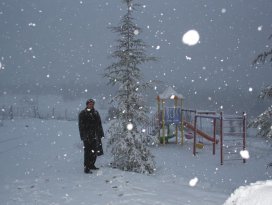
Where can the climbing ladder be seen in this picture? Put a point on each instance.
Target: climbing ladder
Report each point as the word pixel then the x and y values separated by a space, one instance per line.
pixel 232 137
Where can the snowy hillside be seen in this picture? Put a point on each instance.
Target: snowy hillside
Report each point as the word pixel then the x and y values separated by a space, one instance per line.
pixel 41 163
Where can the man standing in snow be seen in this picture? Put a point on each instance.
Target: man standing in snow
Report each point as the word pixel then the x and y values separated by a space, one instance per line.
pixel 91 132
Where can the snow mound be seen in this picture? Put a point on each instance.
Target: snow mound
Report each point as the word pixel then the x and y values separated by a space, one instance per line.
pixel 255 193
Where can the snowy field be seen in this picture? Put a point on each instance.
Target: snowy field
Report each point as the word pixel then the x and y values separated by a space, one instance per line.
pixel 41 163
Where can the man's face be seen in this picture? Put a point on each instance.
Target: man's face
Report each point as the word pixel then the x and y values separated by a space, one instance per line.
pixel 90 105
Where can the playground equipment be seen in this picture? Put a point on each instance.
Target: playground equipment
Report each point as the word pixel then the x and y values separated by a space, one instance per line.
pixel 232 137
pixel 231 131
pixel 189 123
pixel 190 120
pixel 169 116
pixel 189 135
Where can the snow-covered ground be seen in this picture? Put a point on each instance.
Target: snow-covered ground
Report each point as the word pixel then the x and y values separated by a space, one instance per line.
pixel 42 163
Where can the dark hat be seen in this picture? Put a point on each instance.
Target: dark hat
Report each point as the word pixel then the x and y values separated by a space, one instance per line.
pixel 90 100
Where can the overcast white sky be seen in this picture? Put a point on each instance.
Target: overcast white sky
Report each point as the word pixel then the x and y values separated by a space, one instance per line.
pixel 68 41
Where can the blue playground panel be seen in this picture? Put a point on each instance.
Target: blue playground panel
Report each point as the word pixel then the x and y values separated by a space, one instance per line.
pixel 172 115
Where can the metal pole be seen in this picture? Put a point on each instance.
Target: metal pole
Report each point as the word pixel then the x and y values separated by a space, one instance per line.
pixel 221 138
pixel 176 108
pixel 194 146
pixel 158 116
pixel 244 134
pixel 214 135
pixel 163 123
pixel 182 125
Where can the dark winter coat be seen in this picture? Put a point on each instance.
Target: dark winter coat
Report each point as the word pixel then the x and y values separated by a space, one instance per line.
pixel 90 128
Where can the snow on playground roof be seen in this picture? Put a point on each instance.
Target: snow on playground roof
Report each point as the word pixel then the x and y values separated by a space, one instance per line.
pixel 169 92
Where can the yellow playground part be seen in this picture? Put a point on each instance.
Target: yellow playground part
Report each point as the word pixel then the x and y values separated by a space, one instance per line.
pixel 199 145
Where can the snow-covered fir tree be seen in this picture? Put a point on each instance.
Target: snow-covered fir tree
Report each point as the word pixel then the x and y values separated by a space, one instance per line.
pixel 126 138
pixel 264 121
pixel 265 56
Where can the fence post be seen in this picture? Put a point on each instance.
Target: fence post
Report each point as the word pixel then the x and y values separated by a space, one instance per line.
pixel 11 113
pixel 2 121
pixel 53 113
pixel 66 114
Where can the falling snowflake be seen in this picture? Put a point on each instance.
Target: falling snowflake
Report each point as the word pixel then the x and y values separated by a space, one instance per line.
pixel 188 58
pixel 193 182
pixel 244 154
pixel 129 126
pixel 136 32
pixel 32 24
pixel 223 10
pixel 190 38
pixel 260 28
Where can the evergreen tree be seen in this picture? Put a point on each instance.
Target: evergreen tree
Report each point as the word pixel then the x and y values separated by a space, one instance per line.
pixel 265 56
pixel 264 121
pixel 129 151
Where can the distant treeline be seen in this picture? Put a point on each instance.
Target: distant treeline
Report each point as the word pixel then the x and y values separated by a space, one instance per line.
pixel 227 99
pixel 11 112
